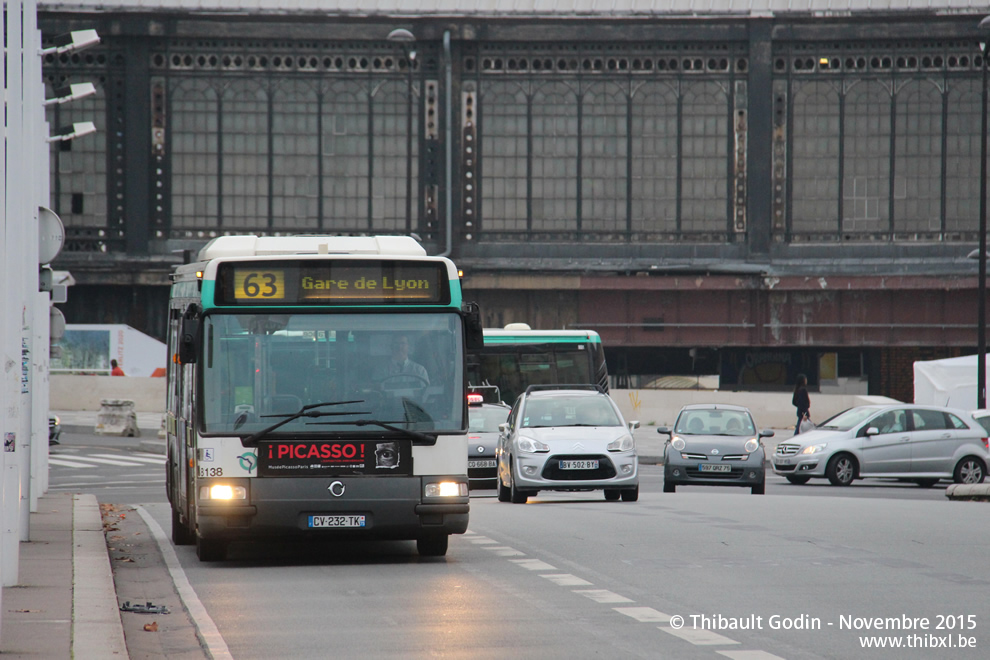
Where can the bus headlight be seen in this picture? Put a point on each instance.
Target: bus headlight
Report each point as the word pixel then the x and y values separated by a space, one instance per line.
pixel 447 489
pixel 222 492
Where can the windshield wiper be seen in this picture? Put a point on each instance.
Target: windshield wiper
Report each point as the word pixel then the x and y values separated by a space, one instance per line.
pixel 423 438
pixel 305 411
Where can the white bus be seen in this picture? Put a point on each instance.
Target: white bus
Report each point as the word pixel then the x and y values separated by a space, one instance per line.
pixel 317 388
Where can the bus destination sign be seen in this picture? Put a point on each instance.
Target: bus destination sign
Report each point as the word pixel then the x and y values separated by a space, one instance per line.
pixel 345 282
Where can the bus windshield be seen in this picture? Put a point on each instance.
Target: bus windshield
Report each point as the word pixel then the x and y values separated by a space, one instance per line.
pixel 400 369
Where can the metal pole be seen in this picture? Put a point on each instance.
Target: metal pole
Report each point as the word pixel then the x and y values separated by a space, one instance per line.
pixel 981 360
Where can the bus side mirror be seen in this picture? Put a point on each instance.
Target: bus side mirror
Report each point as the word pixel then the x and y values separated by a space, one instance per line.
pixel 189 335
pixel 474 333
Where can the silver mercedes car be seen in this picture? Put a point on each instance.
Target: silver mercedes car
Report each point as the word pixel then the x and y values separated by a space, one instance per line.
pixel 922 444
pixel 566 438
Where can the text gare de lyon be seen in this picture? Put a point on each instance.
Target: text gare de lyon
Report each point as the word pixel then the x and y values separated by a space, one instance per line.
pixel 365 284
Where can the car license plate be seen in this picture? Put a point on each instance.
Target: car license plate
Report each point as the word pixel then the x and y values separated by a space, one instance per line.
pixel 714 467
pixel 579 465
pixel 337 521
pixel 482 463
pixel 782 461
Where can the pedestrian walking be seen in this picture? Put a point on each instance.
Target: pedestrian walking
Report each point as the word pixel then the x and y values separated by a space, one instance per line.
pixel 801 401
pixel 115 369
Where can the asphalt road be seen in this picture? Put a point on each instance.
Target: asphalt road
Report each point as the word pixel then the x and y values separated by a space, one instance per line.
pixel 702 573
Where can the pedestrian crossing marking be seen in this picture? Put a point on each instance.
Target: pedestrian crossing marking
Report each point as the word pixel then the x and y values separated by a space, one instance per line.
pixel 64 463
pixel 147 458
pixel 92 460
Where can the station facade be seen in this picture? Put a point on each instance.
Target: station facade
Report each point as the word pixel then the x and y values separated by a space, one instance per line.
pixel 747 192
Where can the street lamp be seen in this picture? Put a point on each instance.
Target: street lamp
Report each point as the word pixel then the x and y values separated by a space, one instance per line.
pixel 981 359
pixel 404 36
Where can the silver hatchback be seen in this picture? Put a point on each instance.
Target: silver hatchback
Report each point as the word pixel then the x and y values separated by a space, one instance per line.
pixel 915 443
pixel 567 439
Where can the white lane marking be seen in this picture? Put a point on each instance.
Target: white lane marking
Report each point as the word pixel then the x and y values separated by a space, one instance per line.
pixel 481 540
pixel 157 459
pixel 505 551
pixel 566 580
pixel 603 596
pixel 208 630
pixel 64 463
pixel 644 614
pixel 750 655
pixel 698 636
pixel 533 564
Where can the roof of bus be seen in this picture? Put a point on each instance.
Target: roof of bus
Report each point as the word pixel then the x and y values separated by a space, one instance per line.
pixel 500 336
pixel 258 246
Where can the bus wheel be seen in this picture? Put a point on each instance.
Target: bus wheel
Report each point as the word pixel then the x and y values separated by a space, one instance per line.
pixel 211 549
pixel 434 545
pixel 180 533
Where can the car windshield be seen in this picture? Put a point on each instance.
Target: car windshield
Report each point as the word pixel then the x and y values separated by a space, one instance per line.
pixel 847 419
pixel 715 422
pixel 569 411
pixel 401 369
pixel 485 419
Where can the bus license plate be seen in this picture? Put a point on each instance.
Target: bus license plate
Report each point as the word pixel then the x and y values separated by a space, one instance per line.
pixel 337 521
pixel 482 463
pixel 708 467
pixel 579 465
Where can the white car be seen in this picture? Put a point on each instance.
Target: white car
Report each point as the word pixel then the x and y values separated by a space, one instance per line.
pixel 568 438
pixel 923 444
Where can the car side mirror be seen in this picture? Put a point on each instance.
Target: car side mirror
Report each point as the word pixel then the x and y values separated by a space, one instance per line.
pixel 633 425
pixel 766 433
pixel 663 429
pixel 872 431
pixel 503 427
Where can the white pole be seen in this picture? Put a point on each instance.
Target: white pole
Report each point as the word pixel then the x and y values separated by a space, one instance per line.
pixel 14 305
pixel 3 305
pixel 34 123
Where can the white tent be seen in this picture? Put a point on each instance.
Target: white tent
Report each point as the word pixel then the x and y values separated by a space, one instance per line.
pixel 949 382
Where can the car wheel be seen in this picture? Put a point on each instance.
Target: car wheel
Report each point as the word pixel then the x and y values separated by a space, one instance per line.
pixel 630 494
pixel 503 492
pixel 433 545
pixel 669 488
pixel 926 483
pixel 798 481
pixel 515 496
pixel 612 495
pixel 211 549
pixel 841 470
pixel 969 470
pixel 180 532
pixel 759 489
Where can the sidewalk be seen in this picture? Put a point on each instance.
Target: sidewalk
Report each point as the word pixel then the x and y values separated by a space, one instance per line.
pixel 64 604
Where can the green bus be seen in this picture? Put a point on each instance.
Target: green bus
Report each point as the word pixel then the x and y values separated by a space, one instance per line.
pixel 317 388
pixel 515 357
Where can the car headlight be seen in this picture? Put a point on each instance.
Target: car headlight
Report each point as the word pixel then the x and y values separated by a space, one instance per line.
pixel 531 446
pixel 678 443
pixel 625 443
pixel 814 449
pixel 752 445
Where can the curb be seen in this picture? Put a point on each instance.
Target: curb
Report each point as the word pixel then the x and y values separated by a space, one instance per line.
pixel 969 492
pixel 97 631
